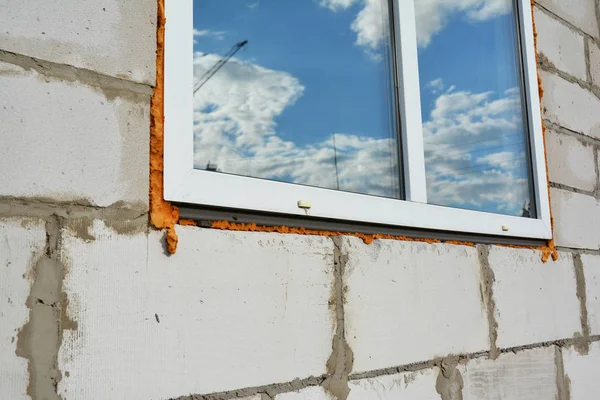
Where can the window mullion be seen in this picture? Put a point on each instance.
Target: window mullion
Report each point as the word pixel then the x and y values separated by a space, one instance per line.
pixel 409 101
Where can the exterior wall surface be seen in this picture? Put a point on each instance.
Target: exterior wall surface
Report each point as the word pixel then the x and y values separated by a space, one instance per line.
pixel 93 307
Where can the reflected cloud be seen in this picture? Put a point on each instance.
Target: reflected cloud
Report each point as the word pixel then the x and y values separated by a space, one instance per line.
pixel 219 35
pixel 431 16
pixel 436 85
pixel 473 131
pixel 338 5
pixel 465 141
pixel 235 132
pixel 474 151
pixel 370 24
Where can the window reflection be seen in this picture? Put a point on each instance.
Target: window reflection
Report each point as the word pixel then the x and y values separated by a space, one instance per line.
pixel 296 91
pixel 475 135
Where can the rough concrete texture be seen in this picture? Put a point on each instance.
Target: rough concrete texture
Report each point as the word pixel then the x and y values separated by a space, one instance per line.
pixel 584 335
pixel 112 37
pixel 581 372
pixel 570 162
pixel 580 13
pixel 401 283
pixel 569 105
pixel 229 310
pixel 487 297
pixel 594 55
pixel 535 301
pixel 591 270
pixel 266 392
pixel 528 374
pixel 92 307
pixel 310 393
pixel 404 386
pixel 576 219
pixel 40 338
pixel 449 384
pixel 339 364
pixel 75 142
pixel 419 385
pixel 22 243
pixel 561 45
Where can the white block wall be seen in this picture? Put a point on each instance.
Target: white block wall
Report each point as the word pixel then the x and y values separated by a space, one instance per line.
pixel 404 386
pixel 561 45
pixel 228 311
pixel 573 162
pixel 591 270
pixel 529 374
pixel 578 13
pixel 254 315
pixel 75 143
pixel 581 372
pixel 111 37
pixel 413 280
pixel 22 242
pixel 569 105
pixel 576 218
pixel 535 301
pixel 310 393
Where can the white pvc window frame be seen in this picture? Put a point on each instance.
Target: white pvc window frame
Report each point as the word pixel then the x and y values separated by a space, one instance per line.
pixel 184 184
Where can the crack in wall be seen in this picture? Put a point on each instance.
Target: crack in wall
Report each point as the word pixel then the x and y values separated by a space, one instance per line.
pixel 111 86
pixel 586 55
pixel 572 189
pixel 540 4
pixel 266 392
pixel 123 221
pixel 39 339
pixel 582 343
pixel 415 367
pixel 447 362
pixel 46 208
pixel 546 65
pixel 449 383
pixel 486 288
pixel 563 384
pixel 339 364
pixel 582 138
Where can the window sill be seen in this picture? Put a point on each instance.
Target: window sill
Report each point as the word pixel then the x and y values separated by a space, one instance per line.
pixel 211 217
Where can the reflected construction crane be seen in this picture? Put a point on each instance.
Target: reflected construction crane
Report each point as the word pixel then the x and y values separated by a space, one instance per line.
pixel 213 70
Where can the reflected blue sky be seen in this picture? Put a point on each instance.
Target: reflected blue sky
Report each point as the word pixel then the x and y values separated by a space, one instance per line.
pixel 474 134
pixel 316 70
pixel 314 45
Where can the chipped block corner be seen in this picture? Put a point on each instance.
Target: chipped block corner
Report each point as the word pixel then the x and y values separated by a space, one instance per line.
pixel 92 305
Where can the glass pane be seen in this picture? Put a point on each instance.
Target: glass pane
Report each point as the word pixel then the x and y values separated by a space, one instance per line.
pixel 475 135
pixel 296 91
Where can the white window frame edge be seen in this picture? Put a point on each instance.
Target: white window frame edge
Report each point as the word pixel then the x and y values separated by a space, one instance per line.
pixel 183 183
pixel 536 136
pixel 409 99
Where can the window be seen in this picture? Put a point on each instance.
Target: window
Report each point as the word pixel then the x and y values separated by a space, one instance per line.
pixel 412 113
